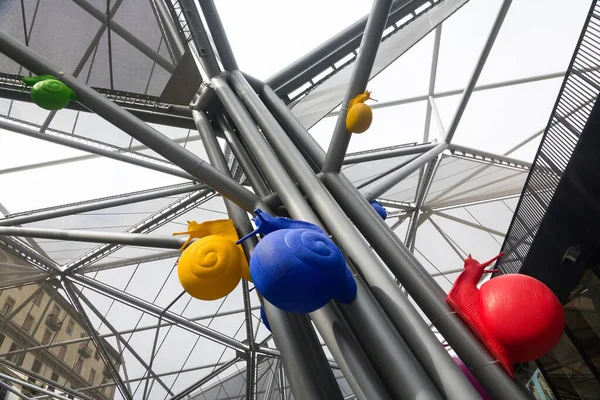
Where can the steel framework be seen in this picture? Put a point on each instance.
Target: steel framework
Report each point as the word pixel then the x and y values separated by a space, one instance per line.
pixel 380 342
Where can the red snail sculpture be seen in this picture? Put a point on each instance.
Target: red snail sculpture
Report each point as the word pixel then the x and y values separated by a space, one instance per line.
pixel 515 316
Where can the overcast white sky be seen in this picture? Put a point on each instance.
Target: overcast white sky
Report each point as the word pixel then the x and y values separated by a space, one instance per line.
pixel 538 37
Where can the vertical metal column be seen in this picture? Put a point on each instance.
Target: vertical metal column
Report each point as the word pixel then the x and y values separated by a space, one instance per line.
pixel 358 82
pixel 341 342
pixel 306 365
pixel 425 346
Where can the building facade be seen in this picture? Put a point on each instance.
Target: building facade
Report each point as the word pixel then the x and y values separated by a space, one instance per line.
pixel 34 343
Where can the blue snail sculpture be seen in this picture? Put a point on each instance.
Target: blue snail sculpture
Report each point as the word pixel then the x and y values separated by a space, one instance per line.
pixel 379 209
pixel 263 316
pixel 296 267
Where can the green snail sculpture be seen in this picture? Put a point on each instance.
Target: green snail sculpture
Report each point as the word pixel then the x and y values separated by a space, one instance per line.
pixel 49 93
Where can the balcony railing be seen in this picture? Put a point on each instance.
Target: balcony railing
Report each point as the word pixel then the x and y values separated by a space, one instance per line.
pixel 53 323
pixel 85 350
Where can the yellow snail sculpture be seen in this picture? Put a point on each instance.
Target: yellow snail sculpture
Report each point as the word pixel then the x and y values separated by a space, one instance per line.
pixel 359 115
pixel 211 267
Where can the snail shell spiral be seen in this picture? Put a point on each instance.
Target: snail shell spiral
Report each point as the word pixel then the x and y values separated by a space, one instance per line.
pixel 210 268
pixel 51 94
pixel 300 270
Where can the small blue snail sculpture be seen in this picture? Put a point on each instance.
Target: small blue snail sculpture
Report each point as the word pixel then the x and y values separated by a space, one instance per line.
pixel 379 209
pixel 296 267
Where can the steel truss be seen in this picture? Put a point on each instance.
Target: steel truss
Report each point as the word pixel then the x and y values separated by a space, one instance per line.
pixel 371 339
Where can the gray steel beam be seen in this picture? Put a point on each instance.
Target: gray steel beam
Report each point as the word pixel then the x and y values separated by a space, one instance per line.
pixel 13 391
pixel 98 343
pixel 385 184
pixel 432 78
pixel 132 125
pixel 218 35
pixel 123 155
pixel 487 48
pixel 170 32
pixel 364 315
pixel 422 287
pixel 246 163
pixel 131 261
pixel 468 223
pixel 127 36
pixel 385 153
pixel 487 156
pixel 299 209
pixel 34 216
pixel 76 292
pixel 37 388
pixel 361 73
pixel 333 50
pixel 205 52
pixel 131 239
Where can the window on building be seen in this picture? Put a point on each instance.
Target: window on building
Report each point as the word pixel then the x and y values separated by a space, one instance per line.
pixel 28 323
pixel 97 355
pixel 37 366
pixel 38 299
pixel 13 357
pixel 92 376
pixel 78 366
pixel 54 376
pixel 8 306
pixel 70 327
pixel 62 352
pixel 56 310
pixel 47 336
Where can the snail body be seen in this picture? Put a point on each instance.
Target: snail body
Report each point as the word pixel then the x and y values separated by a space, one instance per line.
pixel 212 266
pixel 49 93
pixel 300 269
pixel 516 317
pixel 360 115
pixel 379 209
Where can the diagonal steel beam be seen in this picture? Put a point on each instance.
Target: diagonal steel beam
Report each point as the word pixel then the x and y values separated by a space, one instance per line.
pixel 98 204
pixel 468 223
pixel 99 343
pixel 21 306
pixel 126 35
pixel 432 78
pixel 89 146
pixel 26 253
pixel 125 343
pixel 185 393
pixel 149 224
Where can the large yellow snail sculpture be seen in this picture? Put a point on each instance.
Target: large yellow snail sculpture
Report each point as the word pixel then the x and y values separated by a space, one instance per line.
pixel 211 267
pixel 359 115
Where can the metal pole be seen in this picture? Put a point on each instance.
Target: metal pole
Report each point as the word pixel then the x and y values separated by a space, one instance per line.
pixel 185 393
pixel 358 82
pixel 385 154
pixel 247 164
pixel 98 343
pixel 422 341
pixel 32 387
pixel 204 48
pixel 424 290
pixel 357 249
pixel 397 176
pixel 218 34
pixel 169 29
pixel 135 158
pixel 466 95
pixel 99 205
pixel 293 350
pixel 13 391
pixel 133 239
pixel 328 53
pixel 127 36
pixel 341 342
pixel 132 125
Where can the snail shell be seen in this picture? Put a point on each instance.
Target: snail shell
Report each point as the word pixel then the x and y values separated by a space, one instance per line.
pixel 211 267
pixel 52 94
pixel 300 270
pixel 359 118
pixel 523 315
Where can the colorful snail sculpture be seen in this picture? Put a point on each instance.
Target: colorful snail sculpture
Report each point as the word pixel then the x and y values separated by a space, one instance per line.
pixel 49 93
pixel 359 115
pixel 211 267
pixel 379 209
pixel 296 267
pixel 516 317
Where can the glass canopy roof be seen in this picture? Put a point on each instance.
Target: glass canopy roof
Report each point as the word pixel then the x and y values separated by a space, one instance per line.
pixel 467 208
